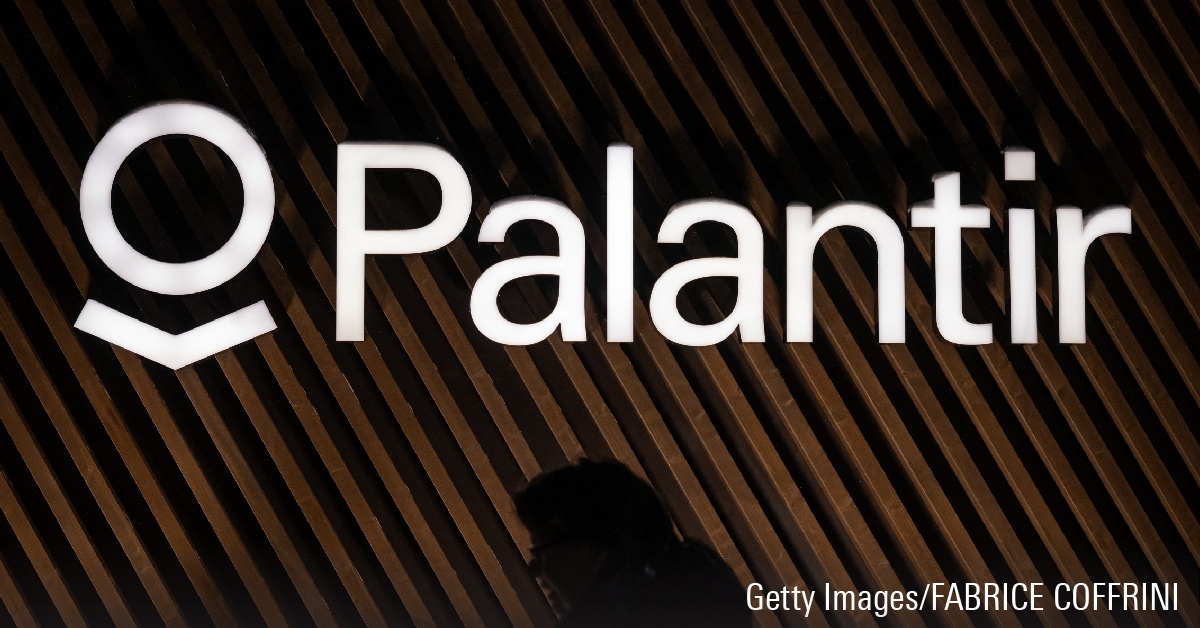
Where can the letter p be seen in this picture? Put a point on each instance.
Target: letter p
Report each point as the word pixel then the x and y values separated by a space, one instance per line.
pixel 355 242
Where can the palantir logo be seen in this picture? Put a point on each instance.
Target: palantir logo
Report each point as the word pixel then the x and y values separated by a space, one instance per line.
pixel 95 206
pixel 945 214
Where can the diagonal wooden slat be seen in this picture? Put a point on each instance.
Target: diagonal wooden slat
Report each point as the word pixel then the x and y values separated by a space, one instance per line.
pixel 299 480
pixel 81 541
pixel 14 603
pixel 35 549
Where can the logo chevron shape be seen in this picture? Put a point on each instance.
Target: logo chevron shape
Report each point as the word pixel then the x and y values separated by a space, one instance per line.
pixel 175 351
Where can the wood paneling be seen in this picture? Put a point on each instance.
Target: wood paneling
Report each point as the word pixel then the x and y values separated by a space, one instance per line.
pixel 299 481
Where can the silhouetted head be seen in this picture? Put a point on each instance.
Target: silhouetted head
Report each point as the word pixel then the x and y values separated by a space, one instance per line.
pixel 586 518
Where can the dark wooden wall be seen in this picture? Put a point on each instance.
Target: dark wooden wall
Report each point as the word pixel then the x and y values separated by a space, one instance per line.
pixel 299 481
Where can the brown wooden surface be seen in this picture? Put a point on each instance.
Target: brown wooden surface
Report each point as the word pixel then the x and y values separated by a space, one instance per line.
pixel 299 481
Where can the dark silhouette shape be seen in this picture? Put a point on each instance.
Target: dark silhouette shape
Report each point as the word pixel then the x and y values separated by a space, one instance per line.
pixel 606 553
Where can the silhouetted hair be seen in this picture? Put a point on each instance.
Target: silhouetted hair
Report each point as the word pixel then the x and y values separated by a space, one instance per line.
pixel 601 503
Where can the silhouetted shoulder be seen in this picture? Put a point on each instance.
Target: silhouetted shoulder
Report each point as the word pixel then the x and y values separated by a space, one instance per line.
pixel 688 585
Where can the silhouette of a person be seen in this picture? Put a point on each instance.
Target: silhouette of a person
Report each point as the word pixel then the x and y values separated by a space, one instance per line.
pixel 607 555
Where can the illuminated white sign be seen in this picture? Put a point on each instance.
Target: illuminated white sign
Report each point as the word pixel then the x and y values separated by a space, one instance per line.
pixel 945 214
pixel 1075 234
pixel 747 314
pixel 948 217
pixel 1022 277
pixel 355 241
pixel 619 259
pixel 567 265
pixel 804 230
pixel 175 350
pixel 178 118
pixel 95 208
